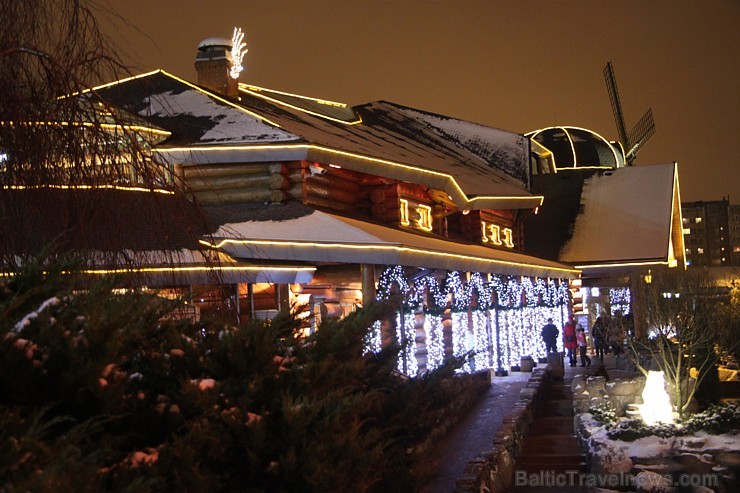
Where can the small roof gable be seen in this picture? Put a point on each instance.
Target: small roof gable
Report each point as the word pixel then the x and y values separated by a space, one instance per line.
pixel 627 215
pixel 193 115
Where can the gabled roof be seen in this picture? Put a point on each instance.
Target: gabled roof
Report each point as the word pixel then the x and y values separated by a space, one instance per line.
pixel 194 116
pixel 614 220
pixel 479 167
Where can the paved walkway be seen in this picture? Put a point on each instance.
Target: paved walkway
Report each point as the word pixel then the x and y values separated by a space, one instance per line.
pixel 474 434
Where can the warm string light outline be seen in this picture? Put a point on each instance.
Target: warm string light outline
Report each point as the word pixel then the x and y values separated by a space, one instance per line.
pixel 258 92
pixel 462 198
pixel 364 246
pixel 676 199
pixel 423 222
pixel 107 126
pixel 200 268
pixel 624 264
pixel 533 134
pixel 90 187
pixel 189 84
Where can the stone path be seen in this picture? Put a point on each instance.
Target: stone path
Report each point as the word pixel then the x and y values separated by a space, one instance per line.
pixel 551 444
pixel 474 433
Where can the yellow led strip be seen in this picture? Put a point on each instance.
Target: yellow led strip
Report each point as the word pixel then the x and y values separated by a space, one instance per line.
pixel 199 269
pixel 446 176
pixel 184 269
pixel 533 134
pixel 676 198
pixel 623 264
pixel 361 246
pixel 189 84
pixel 545 152
pixel 320 101
pixel 135 128
pixel 256 91
pixel 89 187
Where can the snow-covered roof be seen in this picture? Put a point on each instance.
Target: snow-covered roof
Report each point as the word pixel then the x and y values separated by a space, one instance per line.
pixel 483 161
pixel 626 215
pixel 315 236
pixel 193 115
pixel 469 161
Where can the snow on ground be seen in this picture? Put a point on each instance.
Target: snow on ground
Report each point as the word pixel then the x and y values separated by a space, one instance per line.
pixel 654 446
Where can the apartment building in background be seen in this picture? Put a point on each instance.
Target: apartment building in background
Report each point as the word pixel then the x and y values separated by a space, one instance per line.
pixel 711 233
pixel 734 226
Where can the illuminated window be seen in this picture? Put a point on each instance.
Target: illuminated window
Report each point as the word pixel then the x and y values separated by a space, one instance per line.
pixel 688 251
pixel 687 231
pixel 697 220
pixel 700 251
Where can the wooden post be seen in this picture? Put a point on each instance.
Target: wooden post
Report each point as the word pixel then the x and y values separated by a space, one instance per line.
pixel 250 294
pixel 282 297
pixel 367 271
pixel 238 308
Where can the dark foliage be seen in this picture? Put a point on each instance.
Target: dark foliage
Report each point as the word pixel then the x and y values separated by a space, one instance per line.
pixel 99 393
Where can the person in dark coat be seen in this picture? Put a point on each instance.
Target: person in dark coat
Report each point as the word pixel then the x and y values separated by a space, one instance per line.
pixel 598 333
pixel 550 336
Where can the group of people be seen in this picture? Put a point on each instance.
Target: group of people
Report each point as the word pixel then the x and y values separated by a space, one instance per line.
pixel 607 335
pixel 574 337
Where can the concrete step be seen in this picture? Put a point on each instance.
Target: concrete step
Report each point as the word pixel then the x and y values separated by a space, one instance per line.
pixel 560 464
pixel 551 489
pixel 558 407
pixel 545 443
pixel 552 425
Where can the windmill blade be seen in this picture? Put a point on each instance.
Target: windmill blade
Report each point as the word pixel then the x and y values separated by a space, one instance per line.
pixel 611 87
pixel 640 134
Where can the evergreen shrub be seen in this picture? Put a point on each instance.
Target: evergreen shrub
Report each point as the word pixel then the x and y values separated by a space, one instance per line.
pixel 100 392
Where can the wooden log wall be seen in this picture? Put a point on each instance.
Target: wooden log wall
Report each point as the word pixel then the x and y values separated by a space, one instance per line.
pixel 238 183
pixel 468 226
pixel 334 188
pixel 385 203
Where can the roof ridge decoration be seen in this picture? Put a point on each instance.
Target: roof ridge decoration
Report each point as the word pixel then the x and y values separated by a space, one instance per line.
pixel 284 99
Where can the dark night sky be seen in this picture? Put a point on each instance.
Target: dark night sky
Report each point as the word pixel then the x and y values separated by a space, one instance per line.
pixel 516 65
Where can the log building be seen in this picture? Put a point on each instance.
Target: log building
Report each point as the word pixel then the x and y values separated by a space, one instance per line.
pixel 308 204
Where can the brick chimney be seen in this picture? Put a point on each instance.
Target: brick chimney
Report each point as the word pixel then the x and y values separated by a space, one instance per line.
pixel 212 63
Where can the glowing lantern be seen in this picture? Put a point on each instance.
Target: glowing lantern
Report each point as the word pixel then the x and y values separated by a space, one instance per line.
pixel 656 407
